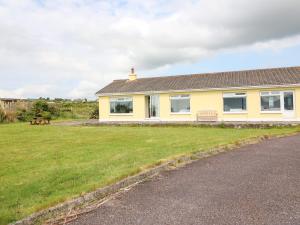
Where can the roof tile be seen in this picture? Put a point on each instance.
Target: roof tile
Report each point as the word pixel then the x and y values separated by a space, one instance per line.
pixel 260 77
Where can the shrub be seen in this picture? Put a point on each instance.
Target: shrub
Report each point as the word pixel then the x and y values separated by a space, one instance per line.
pixel 11 116
pixel 8 116
pixel 39 107
pixel 95 113
pixel 46 115
pixel 54 110
pixel 2 116
pixel 24 115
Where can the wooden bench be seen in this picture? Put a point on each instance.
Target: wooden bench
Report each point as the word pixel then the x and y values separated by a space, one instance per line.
pixel 207 115
pixel 39 121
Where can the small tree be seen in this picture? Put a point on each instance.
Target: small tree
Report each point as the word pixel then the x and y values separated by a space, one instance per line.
pixel 39 107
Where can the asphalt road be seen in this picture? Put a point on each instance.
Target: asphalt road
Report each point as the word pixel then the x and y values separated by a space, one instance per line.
pixel 256 184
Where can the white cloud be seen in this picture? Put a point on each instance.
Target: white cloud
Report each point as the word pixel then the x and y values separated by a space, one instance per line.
pixel 90 43
pixel 35 90
pixel 85 88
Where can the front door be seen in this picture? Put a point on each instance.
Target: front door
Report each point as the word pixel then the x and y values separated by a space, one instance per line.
pixel 288 104
pixel 153 106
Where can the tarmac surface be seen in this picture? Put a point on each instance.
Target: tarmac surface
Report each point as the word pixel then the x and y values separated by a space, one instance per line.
pixel 256 184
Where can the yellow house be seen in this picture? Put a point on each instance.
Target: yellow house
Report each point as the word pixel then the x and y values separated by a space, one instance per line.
pixel 252 95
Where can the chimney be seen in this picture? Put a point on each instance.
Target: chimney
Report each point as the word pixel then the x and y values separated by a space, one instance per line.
pixel 132 76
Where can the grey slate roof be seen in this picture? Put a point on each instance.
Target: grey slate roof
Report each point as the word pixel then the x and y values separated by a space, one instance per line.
pixel 247 78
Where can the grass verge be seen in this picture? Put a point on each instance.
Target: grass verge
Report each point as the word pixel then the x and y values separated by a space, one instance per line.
pixel 41 166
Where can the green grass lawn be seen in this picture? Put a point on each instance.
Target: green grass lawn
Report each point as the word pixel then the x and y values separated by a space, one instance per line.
pixel 41 166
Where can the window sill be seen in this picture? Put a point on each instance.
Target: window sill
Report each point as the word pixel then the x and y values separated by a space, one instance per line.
pixel 236 112
pixel 270 112
pixel 121 114
pixel 181 113
pixel 153 118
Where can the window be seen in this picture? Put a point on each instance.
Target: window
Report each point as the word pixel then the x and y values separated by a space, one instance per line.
pixel 270 101
pixel 234 102
pixel 288 100
pixel 180 104
pixel 121 105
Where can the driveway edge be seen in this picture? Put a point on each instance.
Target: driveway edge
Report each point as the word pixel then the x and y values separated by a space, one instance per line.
pixel 101 193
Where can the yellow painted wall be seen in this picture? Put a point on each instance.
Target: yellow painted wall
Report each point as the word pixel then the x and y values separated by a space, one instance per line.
pixel 138 109
pixel 206 100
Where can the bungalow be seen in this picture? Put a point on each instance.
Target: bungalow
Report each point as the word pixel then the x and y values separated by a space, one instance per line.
pixel 251 95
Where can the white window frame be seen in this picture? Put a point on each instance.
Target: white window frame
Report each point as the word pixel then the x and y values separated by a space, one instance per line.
pixel 120 99
pixel 179 97
pixel 235 95
pixel 281 95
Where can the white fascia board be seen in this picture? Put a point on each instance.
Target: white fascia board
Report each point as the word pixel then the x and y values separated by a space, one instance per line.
pixel 198 90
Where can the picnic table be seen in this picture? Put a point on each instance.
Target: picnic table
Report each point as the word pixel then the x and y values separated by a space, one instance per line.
pixel 39 121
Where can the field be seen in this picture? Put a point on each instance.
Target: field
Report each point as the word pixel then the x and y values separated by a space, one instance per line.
pixel 41 166
pixel 55 110
pixel 75 110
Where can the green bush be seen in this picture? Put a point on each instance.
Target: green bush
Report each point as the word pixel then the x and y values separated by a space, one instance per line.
pixel 46 115
pixel 95 113
pixel 39 107
pixel 54 110
pixel 24 115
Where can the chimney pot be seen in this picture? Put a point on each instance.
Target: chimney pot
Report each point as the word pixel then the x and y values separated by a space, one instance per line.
pixel 132 76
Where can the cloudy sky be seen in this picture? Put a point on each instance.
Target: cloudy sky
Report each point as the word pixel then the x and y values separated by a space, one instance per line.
pixel 72 48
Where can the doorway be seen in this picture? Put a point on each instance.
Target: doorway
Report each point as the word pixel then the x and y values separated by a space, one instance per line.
pixel 288 104
pixel 152 103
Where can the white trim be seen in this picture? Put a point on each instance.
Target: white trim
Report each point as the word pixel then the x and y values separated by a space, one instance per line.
pixel 201 90
pixel 236 112
pixel 120 114
pixel 270 112
pixel 179 97
pixel 150 103
pixel 193 120
pixel 153 119
pixel 233 95
pixel 281 96
pixel 180 113
pixel 121 99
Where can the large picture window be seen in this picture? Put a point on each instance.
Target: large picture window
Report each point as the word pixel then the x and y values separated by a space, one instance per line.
pixel 121 105
pixel 270 101
pixel 234 102
pixel 180 104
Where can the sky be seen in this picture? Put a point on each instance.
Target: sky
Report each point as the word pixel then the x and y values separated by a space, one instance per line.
pixel 73 48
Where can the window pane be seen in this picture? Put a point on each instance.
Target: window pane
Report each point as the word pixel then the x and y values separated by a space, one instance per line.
pixel 288 101
pixel 180 105
pixel 234 104
pixel 270 103
pixel 154 105
pixel 121 105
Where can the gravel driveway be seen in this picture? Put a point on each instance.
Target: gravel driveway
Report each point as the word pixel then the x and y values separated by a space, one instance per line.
pixel 256 184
